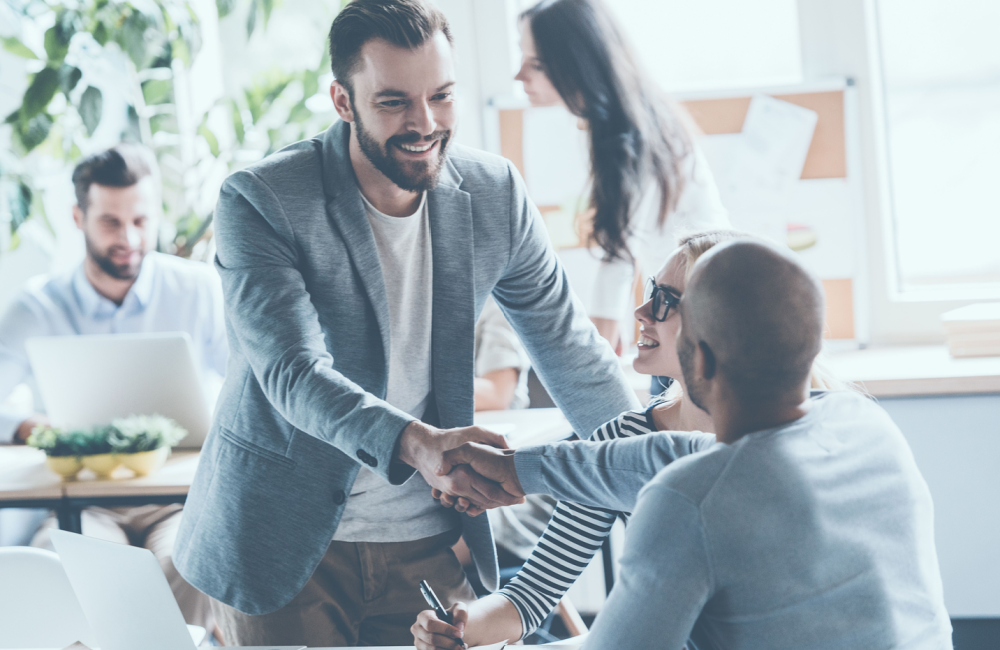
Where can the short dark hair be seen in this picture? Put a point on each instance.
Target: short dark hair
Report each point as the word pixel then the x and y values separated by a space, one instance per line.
pixel 404 23
pixel 120 166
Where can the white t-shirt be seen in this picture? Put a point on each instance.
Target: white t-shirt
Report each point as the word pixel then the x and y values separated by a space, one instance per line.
pixel 377 511
pixel 698 208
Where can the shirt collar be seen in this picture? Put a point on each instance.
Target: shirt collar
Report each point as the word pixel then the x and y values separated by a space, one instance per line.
pixel 91 302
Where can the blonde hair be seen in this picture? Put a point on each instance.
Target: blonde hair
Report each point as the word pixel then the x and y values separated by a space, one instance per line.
pixel 692 246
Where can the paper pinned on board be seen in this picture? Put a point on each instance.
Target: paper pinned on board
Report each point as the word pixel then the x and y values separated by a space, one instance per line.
pixel 556 156
pixel 757 168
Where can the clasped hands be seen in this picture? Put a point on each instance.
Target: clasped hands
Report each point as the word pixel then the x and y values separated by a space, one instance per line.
pixel 468 468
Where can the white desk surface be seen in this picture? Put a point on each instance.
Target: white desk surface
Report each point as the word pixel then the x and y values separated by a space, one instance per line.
pixel 526 426
pixel 916 370
pixel 24 475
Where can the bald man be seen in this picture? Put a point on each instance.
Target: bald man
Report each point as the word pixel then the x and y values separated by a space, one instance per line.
pixel 803 523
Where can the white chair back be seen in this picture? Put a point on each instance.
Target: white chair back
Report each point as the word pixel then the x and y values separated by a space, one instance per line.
pixel 38 608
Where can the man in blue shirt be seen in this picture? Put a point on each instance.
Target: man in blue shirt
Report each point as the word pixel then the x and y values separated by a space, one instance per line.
pixel 121 287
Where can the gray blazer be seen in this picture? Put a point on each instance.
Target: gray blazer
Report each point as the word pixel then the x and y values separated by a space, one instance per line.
pixel 308 328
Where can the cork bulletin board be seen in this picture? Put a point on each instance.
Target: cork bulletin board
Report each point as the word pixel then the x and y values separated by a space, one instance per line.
pixel 827 203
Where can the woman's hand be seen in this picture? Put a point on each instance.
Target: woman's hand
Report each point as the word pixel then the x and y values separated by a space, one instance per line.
pixel 488 620
pixel 431 633
pixel 460 504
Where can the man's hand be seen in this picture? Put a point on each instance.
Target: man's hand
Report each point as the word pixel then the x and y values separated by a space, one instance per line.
pixel 27 426
pixel 423 447
pixel 496 465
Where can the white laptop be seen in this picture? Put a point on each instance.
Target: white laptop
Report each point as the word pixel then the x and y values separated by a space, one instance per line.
pixel 91 380
pixel 125 596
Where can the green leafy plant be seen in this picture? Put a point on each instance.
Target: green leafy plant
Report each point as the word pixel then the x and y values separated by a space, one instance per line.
pixel 57 113
pixel 134 434
pixel 61 109
pixel 140 433
pixel 56 442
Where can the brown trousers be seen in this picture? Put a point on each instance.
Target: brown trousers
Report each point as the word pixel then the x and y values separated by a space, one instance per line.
pixel 361 594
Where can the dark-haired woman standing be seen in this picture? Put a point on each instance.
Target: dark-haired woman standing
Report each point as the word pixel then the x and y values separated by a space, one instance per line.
pixel 649 182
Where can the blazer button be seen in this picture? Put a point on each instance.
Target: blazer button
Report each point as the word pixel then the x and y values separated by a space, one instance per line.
pixel 362 455
pixel 339 497
pixel 372 461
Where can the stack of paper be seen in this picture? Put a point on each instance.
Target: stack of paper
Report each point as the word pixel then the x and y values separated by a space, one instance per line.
pixel 973 331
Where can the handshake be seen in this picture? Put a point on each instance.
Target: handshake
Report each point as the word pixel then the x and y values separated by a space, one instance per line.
pixel 469 468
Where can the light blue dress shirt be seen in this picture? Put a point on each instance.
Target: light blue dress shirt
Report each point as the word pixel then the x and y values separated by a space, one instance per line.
pixel 170 295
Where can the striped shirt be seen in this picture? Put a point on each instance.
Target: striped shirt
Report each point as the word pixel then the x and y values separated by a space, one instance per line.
pixel 572 538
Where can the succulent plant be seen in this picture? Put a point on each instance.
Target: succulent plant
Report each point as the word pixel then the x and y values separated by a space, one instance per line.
pixel 134 434
pixel 139 433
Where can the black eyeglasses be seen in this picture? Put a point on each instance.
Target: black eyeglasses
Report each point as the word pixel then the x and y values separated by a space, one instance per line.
pixel 663 300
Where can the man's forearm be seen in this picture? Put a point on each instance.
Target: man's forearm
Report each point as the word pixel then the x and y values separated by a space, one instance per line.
pixel 603 474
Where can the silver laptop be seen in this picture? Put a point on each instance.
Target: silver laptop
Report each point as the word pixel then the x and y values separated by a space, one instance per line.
pixel 124 595
pixel 91 380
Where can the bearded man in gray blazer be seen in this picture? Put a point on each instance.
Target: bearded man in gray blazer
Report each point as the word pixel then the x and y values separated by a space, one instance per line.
pixel 354 266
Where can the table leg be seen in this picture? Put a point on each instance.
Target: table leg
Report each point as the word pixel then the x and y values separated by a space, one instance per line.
pixel 69 518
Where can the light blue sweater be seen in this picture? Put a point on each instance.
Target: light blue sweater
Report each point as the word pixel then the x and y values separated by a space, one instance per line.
pixel 817 534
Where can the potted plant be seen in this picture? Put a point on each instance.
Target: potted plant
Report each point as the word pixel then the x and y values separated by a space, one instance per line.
pixel 62 449
pixel 139 442
pixel 143 442
pixel 97 454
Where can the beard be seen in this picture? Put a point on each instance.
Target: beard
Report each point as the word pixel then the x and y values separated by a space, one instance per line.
pixel 685 352
pixel 412 176
pixel 127 271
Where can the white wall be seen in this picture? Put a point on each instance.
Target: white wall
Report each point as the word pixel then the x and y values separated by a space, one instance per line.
pixel 956 443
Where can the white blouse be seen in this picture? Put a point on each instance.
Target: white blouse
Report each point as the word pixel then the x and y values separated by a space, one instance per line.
pixel 698 208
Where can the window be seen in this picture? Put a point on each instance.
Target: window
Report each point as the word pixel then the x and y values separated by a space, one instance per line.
pixel 941 71
pixel 712 44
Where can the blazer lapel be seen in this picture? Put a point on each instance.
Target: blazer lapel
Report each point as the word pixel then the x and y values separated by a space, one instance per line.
pixel 347 214
pixel 454 318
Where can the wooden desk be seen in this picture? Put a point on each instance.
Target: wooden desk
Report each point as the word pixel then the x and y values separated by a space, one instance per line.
pixel 26 482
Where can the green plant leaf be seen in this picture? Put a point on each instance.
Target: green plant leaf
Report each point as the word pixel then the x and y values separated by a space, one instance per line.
pixel 132 38
pixel 157 91
pixel 58 36
pixel 252 18
pixel 237 123
pixel 205 132
pixel 100 33
pixel 180 50
pixel 268 6
pixel 132 132
pixel 224 7
pixel 310 84
pixel 20 206
pixel 39 93
pixel 91 108
pixel 33 132
pixel 299 113
pixel 15 46
pixel 69 76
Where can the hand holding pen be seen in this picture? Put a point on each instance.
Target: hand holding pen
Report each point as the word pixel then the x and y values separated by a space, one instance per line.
pixel 440 629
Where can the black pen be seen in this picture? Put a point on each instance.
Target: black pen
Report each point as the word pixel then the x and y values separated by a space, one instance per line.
pixel 433 601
